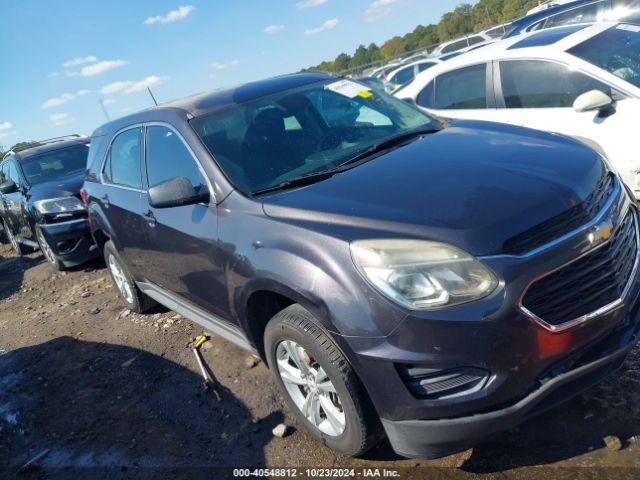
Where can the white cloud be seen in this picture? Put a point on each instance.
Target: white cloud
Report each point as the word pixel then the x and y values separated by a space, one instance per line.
pixel 222 66
pixel 272 29
pixel 108 101
pixel 5 125
pixel 128 86
pixel 328 25
pixel 378 9
pixel 74 62
pixel 58 119
pixel 57 101
pixel 53 74
pixel 170 17
pixel 309 4
pixel 64 98
pixel 98 68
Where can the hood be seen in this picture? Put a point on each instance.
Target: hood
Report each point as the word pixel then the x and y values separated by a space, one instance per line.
pixel 60 187
pixel 473 185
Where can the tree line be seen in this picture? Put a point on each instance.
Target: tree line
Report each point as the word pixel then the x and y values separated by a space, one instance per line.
pixel 463 20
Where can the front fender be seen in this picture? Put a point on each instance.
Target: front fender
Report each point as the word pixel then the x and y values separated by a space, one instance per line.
pixel 322 279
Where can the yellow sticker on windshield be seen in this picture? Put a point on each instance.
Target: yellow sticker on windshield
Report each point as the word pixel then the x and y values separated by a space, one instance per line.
pixel 365 94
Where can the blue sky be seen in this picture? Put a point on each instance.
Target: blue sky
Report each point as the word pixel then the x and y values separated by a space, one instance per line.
pixel 61 57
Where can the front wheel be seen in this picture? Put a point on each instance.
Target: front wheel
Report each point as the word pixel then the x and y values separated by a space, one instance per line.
pixel 15 245
pixel 48 252
pixel 318 382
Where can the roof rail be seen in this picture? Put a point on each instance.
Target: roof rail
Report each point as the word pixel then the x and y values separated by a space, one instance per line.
pixel 42 142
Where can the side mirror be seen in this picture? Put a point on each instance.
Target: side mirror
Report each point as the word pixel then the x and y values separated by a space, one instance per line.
pixel 593 100
pixel 174 193
pixel 8 187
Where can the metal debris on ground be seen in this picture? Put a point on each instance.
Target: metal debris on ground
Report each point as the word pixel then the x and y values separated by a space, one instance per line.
pixel 209 383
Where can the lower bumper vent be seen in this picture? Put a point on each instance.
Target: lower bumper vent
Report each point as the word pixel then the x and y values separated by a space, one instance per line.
pixel 433 384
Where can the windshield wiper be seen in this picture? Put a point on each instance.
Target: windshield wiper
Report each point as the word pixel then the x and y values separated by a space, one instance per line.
pixel 318 176
pixel 298 181
pixel 388 143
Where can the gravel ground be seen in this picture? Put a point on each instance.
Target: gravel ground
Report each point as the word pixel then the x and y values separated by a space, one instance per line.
pixel 86 386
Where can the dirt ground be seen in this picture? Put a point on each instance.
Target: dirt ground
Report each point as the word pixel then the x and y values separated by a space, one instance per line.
pixel 90 390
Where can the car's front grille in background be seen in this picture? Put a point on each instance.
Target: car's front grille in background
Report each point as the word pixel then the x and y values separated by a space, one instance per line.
pixel 563 223
pixel 588 284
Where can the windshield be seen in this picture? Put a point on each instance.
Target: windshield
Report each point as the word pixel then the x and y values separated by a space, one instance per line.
pixel 307 130
pixel 616 50
pixel 56 164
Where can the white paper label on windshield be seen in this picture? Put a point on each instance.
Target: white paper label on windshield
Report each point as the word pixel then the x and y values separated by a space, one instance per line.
pixel 348 88
pixel 630 28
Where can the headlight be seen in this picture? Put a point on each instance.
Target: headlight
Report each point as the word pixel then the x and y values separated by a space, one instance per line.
pixel 422 275
pixel 58 205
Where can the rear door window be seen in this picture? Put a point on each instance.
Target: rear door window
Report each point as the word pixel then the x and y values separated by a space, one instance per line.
pixel 122 166
pixel 465 88
pixel 540 84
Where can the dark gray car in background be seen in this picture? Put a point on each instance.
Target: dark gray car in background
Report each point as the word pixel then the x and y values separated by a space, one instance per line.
pixel 40 201
pixel 434 282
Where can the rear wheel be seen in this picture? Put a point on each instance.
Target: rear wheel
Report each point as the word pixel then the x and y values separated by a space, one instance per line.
pixel 320 387
pixel 133 298
pixel 48 252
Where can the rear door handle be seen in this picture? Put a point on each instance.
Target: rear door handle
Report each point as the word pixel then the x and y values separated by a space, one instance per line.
pixel 151 218
pixel 105 200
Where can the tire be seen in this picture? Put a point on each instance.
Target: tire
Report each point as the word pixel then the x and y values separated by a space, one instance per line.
pixel 128 291
pixel 17 248
pixel 48 253
pixel 296 327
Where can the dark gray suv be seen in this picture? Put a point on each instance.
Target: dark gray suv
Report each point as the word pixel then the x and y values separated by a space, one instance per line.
pixel 40 200
pixel 433 282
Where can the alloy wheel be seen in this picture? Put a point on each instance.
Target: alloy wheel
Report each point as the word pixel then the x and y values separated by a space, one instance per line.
pixel 46 249
pixel 310 388
pixel 12 240
pixel 121 281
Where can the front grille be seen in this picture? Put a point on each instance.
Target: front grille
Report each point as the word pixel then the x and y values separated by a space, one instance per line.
pixel 563 223
pixel 588 284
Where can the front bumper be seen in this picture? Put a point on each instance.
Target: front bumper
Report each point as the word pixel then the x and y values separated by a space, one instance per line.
pixel 437 438
pixel 71 241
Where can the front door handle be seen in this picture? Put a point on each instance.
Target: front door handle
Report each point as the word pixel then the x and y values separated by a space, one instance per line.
pixel 151 218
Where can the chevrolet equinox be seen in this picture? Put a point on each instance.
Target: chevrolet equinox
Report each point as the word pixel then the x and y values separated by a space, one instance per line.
pixel 400 275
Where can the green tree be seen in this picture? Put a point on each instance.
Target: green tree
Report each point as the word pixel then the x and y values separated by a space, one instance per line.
pixel 463 20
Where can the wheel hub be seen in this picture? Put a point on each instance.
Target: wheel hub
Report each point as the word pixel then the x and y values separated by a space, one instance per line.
pixel 310 388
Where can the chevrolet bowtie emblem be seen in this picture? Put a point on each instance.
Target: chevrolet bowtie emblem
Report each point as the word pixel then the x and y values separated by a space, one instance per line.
pixel 601 232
